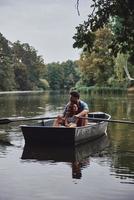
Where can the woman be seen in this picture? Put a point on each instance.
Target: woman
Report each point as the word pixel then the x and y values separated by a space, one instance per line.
pixel 69 119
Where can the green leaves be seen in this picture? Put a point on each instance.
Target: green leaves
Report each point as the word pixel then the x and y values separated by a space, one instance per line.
pixel 20 66
pixel 62 76
pixel 6 66
pixel 97 67
pixel 84 39
pixel 122 12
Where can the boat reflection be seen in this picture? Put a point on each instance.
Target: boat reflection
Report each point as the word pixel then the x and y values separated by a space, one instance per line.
pixel 76 156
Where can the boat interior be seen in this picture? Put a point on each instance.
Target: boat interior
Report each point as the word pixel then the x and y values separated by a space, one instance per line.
pixel 100 115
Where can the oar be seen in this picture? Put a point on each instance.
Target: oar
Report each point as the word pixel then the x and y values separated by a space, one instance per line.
pixel 9 120
pixel 108 120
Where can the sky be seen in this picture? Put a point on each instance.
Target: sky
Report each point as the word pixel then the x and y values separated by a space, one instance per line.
pixel 46 25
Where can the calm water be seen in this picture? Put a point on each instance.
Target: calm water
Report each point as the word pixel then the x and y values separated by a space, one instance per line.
pixel 99 170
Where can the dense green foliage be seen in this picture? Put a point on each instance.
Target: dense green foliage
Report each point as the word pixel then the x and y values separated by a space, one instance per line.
pixel 28 67
pixel 62 76
pixel 107 43
pixel 120 15
pixel 22 69
pixel 6 68
pixel 97 67
pixel 20 66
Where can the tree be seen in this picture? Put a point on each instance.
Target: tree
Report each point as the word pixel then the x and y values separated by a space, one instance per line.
pixel 62 75
pixel 97 67
pixel 122 12
pixel 120 62
pixel 70 74
pixel 20 66
pixel 6 66
pixel 54 75
pixel 29 67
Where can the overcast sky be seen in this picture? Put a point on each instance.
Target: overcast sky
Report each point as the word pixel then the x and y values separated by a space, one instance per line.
pixel 47 25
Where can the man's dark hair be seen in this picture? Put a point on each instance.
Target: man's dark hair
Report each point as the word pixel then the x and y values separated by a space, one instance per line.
pixel 75 94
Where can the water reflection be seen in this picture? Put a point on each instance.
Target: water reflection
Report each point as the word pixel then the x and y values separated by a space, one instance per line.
pixel 31 104
pixel 3 147
pixel 118 157
pixel 121 152
pixel 25 104
pixel 4 141
pixel 78 157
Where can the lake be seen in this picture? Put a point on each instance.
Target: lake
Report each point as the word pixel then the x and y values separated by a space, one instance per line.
pixel 98 170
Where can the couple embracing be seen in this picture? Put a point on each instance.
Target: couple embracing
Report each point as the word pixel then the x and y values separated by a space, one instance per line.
pixel 75 112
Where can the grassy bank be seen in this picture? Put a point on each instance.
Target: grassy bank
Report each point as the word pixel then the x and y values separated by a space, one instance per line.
pixel 102 90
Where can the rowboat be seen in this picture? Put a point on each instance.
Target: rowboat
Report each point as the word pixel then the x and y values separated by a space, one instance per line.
pixel 76 156
pixel 65 153
pixel 44 133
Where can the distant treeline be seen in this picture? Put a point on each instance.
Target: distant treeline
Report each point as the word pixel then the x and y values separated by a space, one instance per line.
pixel 21 68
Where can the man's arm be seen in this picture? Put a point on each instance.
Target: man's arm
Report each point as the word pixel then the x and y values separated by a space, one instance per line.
pixel 85 110
pixel 82 113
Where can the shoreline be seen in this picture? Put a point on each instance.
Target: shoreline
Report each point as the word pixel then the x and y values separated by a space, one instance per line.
pixel 17 92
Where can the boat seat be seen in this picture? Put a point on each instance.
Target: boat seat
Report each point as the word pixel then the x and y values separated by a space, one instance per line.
pixel 91 123
pixel 47 122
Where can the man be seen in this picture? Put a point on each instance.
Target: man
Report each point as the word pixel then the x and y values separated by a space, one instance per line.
pixel 82 110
